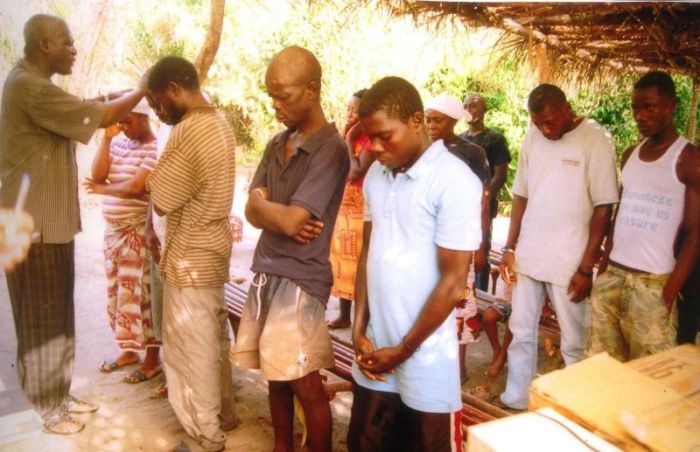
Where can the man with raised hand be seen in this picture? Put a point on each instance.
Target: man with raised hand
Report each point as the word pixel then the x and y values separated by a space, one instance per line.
pixel 39 126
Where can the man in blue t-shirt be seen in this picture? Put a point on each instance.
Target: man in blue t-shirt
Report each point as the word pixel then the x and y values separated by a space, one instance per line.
pixel 422 222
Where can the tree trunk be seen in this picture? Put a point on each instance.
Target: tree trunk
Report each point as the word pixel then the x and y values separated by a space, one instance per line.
pixel 542 62
pixel 211 44
pixel 693 111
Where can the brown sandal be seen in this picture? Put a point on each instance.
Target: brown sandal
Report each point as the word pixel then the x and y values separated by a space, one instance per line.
pixel 62 423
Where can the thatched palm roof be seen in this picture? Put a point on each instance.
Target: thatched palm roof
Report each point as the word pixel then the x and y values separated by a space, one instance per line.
pixel 584 38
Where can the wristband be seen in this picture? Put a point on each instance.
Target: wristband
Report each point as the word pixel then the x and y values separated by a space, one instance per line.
pixel 507 249
pixel 583 273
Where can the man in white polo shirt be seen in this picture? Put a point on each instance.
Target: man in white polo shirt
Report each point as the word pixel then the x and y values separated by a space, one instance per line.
pixel 563 193
pixel 422 222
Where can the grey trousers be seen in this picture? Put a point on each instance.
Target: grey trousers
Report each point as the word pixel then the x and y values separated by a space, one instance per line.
pixel 195 350
pixel 41 294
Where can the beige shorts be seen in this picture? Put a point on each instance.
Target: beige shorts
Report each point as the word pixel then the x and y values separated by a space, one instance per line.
pixel 283 331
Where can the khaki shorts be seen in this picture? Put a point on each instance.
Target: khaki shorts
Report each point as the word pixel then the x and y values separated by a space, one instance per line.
pixel 283 331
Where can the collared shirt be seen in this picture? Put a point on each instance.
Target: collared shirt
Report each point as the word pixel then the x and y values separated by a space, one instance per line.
pixel 563 181
pixel 39 125
pixel 436 203
pixel 193 184
pixel 314 179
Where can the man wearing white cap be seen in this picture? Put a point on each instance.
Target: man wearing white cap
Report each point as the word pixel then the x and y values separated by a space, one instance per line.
pixel 441 115
pixel 119 172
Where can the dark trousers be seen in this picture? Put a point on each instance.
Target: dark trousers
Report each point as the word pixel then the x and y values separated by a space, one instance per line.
pixel 482 277
pixel 41 293
pixel 381 422
pixel 689 309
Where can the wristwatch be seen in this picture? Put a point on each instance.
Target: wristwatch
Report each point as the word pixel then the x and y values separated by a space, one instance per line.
pixel 506 249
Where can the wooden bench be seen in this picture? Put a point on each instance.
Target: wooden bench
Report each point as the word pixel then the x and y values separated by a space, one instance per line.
pixel 474 410
pixel 548 324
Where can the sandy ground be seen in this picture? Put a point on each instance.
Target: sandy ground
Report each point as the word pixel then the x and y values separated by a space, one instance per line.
pixel 129 419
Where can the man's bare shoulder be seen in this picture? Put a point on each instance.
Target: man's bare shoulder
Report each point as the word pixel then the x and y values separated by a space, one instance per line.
pixel 626 155
pixel 688 166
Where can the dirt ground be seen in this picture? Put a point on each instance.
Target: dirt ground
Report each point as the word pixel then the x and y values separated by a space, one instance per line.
pixel 129 419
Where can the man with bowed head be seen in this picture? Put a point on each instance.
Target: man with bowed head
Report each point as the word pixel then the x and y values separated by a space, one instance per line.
pixel 422 223
pixel 564 189
pixel 294 198
pixel 192 184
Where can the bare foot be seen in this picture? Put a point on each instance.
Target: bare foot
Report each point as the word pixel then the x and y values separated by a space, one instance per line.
pixel 160 392
pixel 496 366
pixel 482 391
pixel 339 323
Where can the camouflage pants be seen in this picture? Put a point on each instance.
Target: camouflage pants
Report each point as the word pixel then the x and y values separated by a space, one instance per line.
pixel 629 318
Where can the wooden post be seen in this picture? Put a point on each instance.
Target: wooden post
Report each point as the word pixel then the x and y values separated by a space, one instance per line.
pixel 542 62
pixel 693 111
pixel 211 43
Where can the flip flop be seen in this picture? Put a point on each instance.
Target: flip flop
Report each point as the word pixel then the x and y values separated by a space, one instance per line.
pixel 109 367
pixel 76 406
pixel 137 376
pixel 62 423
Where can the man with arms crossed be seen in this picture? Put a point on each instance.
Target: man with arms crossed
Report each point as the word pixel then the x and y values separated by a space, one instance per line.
pixel 295 196
pixel 633 301
pixel 422 223
pixel 563 193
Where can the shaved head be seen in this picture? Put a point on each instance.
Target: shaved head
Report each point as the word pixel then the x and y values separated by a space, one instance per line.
pixel 476 99
pixel 293 82
pixel 294 65
pixel 40 27
pixel 475 104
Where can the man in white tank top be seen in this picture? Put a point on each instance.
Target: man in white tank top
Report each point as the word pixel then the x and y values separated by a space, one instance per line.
pixel 563 193
pixel 633 300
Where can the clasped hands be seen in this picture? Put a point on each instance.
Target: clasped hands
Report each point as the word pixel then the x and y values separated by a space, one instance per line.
pixel 376 364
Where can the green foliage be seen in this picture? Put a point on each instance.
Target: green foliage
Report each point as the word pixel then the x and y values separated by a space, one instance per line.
pixel 612 110
pixel 152 41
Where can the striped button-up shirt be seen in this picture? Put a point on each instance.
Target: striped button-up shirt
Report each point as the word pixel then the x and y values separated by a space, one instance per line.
pixel 39 125
pixel 193 184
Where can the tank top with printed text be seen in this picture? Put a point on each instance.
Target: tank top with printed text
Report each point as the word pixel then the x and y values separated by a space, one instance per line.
pixel 650 211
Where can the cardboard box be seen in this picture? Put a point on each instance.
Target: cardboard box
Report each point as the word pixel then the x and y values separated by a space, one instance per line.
pixel 543 430
pixel 652 402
